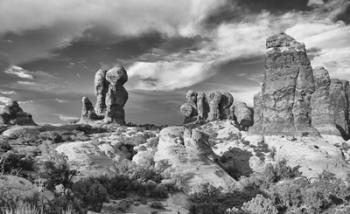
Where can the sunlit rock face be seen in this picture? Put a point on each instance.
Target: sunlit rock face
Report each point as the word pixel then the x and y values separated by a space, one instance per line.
pixel 186 154
pixel 283 105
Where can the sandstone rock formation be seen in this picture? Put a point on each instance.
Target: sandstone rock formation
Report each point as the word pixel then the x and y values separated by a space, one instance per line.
pixel 116 96
pixel 200 106
pixel 13 114
pixel 322 114
pixel 111 97
pixel 87 112
pixel 242 114
pixel 101 87
pixel 284 103
pixel 339 96
pixel 186 154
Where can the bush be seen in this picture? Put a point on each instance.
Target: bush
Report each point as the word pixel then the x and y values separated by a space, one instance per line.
pixel 260 205
pixel 57 172
pixel 280 171
pixel 14 163
pixel 90 194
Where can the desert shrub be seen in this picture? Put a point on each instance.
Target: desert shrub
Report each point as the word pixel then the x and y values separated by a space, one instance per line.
pixel 51 136
pixel 140 173
pixel 278 172
pixel 19 164
pixel 90 194
pixel 157 205
pixel 303 195
pixel 211 200
pixel 56 171
pixel 260 205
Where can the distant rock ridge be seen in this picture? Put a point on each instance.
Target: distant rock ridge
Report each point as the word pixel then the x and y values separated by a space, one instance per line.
pixel 13 114
pixel 215 105
pixel 111 97
pixel 295 99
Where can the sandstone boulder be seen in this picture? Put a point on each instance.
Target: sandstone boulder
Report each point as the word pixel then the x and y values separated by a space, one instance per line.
pixel 242 114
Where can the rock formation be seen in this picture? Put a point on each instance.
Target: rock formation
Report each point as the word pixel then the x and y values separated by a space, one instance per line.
pixel 101 88
pixel 116 96
pixel 322 114
pixel 87 112
pixel 242 114
pixel 186 153
pixel 339 99
pixel 209 106
pixel 283 106
pixel 111 97
pixel 13 114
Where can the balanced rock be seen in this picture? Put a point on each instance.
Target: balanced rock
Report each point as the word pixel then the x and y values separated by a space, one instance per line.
pixel 242 114
pixel 13 114
pixel 339 99
pixel 322 114
pixel 101 88
pixel 284 103
pixel 116 96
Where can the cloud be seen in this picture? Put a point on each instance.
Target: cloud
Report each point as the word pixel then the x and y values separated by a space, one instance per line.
pixel 34 80
pixel 169 17
pixel 168 75
pixel 19 72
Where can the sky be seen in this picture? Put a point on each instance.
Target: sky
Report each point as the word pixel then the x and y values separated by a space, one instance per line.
pixel 50 50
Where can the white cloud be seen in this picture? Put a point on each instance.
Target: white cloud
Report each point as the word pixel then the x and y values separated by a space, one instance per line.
pixel 19 72
pixel 169 75
pixel 124 17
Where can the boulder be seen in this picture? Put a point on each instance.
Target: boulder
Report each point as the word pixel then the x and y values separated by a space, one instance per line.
pixel 116 96
pixel 242 114
pixel 322 115
pixel 339 96
pixel 286 90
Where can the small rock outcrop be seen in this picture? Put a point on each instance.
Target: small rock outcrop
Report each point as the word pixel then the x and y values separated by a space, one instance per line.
pixel 87 111
pixel 283 106
pixel 209 106
pixel 339 99
pixel 111 97
pixel 322 113
pixel 187 154
pixel 13 114
pixel 242 114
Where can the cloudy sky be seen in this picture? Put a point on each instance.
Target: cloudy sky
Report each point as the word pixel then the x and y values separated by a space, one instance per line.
pixel 50 50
